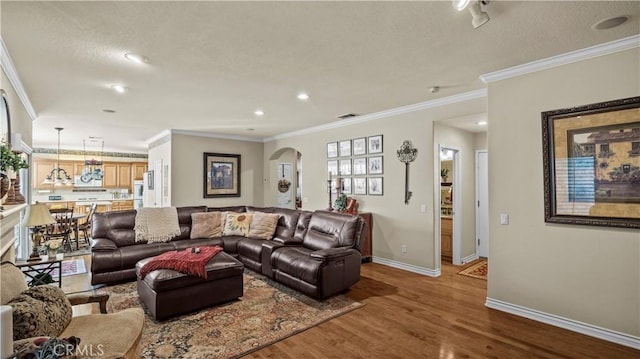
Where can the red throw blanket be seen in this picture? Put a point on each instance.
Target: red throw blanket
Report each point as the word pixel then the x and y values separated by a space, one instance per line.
pixel 182 261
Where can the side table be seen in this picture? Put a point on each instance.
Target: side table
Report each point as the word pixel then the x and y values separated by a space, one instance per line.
pixel 35 271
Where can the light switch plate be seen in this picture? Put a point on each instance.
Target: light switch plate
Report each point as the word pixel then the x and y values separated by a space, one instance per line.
pixel 504 218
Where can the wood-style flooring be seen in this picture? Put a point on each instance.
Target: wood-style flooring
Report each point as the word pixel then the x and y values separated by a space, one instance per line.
pixel 409 315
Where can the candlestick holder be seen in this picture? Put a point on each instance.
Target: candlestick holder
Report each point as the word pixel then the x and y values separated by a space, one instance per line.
pixel 330 199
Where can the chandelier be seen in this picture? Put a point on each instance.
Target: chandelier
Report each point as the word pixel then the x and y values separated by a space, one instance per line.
pixel 92 168
pixel 58 176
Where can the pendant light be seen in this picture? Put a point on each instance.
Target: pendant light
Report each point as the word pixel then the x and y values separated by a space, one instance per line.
pixel 58 176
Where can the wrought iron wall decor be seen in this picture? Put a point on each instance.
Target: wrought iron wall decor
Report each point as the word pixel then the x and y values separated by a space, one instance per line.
pixel 407 154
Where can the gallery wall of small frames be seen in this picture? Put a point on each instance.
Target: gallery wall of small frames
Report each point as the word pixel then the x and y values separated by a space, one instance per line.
pixel 358 163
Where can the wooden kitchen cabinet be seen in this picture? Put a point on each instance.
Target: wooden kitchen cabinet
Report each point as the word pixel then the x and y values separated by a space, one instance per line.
pixel 124 175
pixel 42 168
pixel 138 170
pixel 121 205
pixel 446 238
pixel 117 175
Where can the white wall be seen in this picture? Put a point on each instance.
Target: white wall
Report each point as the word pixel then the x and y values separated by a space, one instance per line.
pixel 587 274
pixel 187 168
pixel 161 151
pixel 394 223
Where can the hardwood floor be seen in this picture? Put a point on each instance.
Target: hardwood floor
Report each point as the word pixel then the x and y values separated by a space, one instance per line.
pixel 409 315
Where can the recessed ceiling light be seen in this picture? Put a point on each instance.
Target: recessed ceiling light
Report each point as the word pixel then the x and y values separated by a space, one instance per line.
pixel 119 88
pixel 251 129
pixel 258 113
pixel 610 23
pixel 303 96
pixel 109 110
pixel 481 123
pixel 136 58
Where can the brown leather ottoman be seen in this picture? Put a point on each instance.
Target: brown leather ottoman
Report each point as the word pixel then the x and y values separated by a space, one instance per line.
pixel 168 293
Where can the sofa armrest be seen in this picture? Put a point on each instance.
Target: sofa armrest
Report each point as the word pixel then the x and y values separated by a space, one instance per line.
pixel 267 250
pixel 332 253
pixel 287 241
pixel 85 298
pixel 103 245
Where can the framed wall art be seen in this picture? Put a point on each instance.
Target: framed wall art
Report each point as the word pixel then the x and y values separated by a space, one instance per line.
pixel 332 168
pixel 375 165
pixel 375 186
pixel 345 167
pixel 592 164
pixel 359 146
pixel 359 185
pixel 344 148
pixel 332 149
pixel 374 144
pixel 221 175
pixel 346 185
pixel 360 166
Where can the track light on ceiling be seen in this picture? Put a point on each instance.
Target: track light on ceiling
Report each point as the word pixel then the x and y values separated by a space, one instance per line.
pixel 479 17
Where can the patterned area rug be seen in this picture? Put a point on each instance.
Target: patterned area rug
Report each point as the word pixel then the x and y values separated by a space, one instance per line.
pixel 268 312
pixel 478 270
pixel 71 267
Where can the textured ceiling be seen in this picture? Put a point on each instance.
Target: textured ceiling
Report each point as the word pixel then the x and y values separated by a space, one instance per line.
pixel 212 64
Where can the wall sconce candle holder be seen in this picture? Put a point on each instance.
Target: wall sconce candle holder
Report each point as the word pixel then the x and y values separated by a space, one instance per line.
pixel 407 154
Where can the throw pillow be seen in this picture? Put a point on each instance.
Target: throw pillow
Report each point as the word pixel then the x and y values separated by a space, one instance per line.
pixel 263 225
pixel 237 224
pixel 206 225
pixel 40 311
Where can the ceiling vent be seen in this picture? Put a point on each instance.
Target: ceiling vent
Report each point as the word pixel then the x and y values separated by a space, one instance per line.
pixel 348 115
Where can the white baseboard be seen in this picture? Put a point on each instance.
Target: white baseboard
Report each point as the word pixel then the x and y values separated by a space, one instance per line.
pixel 407 267
pixel 470 258
pixel 566 323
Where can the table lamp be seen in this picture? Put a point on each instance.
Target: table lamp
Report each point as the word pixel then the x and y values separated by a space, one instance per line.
pixel 38 215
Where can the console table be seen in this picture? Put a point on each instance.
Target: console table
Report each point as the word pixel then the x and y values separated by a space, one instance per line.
pixel 36 270
pixel 366 250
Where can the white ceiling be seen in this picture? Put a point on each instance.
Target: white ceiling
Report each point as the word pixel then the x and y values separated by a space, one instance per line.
pixel 212 64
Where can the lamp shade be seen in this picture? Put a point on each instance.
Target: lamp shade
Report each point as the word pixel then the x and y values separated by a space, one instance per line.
pixel 38 215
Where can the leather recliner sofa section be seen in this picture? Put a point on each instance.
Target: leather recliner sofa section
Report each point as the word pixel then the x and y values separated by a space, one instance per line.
pixel 316 253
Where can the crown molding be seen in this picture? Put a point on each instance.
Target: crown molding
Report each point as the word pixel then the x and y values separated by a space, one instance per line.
pixel 564 59
pixel 467 96
pixel 12 74
pixel 565 323
pixel 216 135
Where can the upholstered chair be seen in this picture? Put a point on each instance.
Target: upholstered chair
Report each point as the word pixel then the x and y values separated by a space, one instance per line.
pixel 45 311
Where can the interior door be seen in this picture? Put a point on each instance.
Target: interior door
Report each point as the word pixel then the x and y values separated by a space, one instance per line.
pixel 482 204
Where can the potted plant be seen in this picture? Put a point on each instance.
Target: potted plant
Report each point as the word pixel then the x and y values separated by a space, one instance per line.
pixel 341 203
pixel 10 165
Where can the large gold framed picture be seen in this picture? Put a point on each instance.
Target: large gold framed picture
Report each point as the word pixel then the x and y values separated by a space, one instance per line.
pixel 221 175
pixel 592 164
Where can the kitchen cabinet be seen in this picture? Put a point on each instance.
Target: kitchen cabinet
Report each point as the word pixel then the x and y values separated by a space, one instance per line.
pixel 121 205
pixel 138 170
pixel 42 168
pixel 446 238
pixel 116 175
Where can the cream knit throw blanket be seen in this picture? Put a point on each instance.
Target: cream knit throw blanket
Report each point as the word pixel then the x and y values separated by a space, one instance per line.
pixel 156 224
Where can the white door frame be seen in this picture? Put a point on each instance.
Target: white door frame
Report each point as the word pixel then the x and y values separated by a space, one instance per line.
pixel 479 219
pixel 457 207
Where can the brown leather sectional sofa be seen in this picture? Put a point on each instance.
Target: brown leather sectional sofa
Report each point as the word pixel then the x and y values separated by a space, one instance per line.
pixel 317 253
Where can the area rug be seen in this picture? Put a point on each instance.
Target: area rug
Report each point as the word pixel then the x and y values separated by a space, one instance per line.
pixel 478 270
pixel 71 267
pixel 268 312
